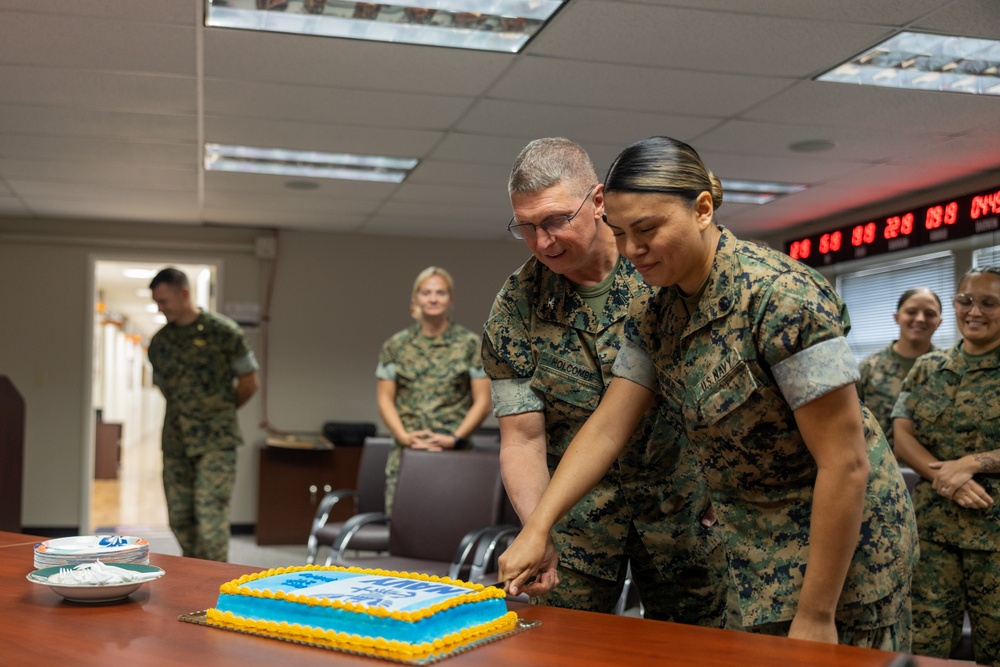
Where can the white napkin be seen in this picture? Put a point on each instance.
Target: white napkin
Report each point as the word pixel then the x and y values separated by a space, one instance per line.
pixel 96 574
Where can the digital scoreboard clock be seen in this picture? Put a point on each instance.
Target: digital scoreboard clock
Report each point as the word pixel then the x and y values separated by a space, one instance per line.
pixel 977 213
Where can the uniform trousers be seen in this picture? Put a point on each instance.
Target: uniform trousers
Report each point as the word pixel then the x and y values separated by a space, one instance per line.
pixel 694 594
pixel 947 582
pixel 198 490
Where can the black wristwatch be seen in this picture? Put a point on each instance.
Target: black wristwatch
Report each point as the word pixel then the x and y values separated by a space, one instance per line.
pixel 460 442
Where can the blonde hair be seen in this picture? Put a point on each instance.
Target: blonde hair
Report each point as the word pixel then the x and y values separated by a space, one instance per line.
pixel 429 272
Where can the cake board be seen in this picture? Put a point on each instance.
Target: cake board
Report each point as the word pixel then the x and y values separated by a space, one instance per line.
pixel 198 618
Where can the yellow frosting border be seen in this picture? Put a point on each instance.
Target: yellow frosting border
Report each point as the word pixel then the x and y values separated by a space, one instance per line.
pixel 480 592
pixel 375 646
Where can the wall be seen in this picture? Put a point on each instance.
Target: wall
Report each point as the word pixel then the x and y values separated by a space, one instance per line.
pixel 335 299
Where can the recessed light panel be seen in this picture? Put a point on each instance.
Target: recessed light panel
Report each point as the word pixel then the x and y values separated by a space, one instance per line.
pixel 756 192
pixel 926 62
pixel 310 164
pixel 489 25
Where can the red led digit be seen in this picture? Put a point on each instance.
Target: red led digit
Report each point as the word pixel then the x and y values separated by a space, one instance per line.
pixel 907 224
pixel 869 232
pixel 824 244
pixel 805 248
pixel 835 240
pixel 858 235
pixel 793 250
pixel 951 213
pixel 935 214
pixel 891 227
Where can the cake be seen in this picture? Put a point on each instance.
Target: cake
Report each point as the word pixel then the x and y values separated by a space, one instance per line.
pixel 376 612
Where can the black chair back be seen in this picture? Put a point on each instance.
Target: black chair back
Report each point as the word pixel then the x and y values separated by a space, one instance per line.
pixel 442 496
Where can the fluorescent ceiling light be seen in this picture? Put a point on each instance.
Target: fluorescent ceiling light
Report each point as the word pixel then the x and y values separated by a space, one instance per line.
pixel 311 164
pixel 142 274
pixel 756 192
pixel 488 25
pixel 926 62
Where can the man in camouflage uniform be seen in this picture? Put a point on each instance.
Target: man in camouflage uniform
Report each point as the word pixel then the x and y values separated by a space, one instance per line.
pixel 552 336
pixel 203 364
pixel 434 381
pixel 947 422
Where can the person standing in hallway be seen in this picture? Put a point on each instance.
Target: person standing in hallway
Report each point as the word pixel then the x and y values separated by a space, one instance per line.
pixel 203 365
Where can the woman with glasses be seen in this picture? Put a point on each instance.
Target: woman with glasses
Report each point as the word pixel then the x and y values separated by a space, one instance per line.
pixel 918 314
pixel 947 424
pixel 432 390
pixel 748 348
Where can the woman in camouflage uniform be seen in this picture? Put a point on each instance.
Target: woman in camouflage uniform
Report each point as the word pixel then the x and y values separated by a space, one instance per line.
pixel 947 423
pixel 918 314
pixel 432 390
pixel 748 347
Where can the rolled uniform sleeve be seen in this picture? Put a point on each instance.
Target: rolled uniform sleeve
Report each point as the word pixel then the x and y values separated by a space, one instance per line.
pixel 634 363
pixel 511 393
pixel 245 364
pixel 902 408
pixel 816 371
pixel 802 332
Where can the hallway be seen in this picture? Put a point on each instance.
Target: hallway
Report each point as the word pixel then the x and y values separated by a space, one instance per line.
pixel 134 502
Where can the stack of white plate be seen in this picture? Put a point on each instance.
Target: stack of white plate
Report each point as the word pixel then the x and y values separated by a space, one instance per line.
pixel 89 548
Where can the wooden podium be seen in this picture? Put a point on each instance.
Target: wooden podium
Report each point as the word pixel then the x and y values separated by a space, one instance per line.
pixel 11 455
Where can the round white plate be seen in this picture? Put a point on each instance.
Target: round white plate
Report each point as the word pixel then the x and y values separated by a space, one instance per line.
pixel 90 544
pixel 92 593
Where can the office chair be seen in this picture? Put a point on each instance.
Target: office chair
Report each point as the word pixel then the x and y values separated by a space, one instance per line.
pixel 368 499
pixel 446 503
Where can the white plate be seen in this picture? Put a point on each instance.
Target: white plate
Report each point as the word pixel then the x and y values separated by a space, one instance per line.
pixel 91 544
pixel 92 593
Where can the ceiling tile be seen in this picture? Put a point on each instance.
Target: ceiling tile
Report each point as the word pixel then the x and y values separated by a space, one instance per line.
pixel 182 12
pixel 581 124
pixel 98 90
pixel 622 87
pixel 83 150
pixel 73 42
pixel 844 105
pixel 885 12
pixel 700 41
pixel 347 63
pixel 71 121
pixel 320 137
pixel 851 144
pixel 329 105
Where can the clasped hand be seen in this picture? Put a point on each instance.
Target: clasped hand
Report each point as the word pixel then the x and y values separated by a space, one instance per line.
pixel 430 440
pixel 954 481
pixel 531 554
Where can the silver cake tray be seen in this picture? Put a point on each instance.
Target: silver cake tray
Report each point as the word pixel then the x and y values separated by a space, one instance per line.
pixel 198 618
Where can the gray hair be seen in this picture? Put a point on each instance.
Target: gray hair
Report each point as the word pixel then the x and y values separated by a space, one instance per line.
pixel 544 163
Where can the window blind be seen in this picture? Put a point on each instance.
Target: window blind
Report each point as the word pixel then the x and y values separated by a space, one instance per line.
pixel 986 257
pixel 871 297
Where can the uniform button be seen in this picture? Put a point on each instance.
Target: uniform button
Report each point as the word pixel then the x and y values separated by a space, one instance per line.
pixel 724 303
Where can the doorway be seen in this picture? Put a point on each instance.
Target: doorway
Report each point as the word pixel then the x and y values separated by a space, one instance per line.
pixel 126 491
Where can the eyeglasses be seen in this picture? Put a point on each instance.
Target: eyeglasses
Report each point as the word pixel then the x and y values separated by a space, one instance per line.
pixel 554 225
pixel 964 302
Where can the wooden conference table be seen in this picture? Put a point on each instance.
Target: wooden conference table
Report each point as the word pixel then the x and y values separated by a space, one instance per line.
pixel 38 627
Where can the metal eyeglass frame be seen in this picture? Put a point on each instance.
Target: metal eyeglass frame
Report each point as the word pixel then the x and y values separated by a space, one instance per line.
pixel 518 228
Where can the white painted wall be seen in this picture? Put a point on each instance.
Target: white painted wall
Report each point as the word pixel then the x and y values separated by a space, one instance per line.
pixel 335 299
